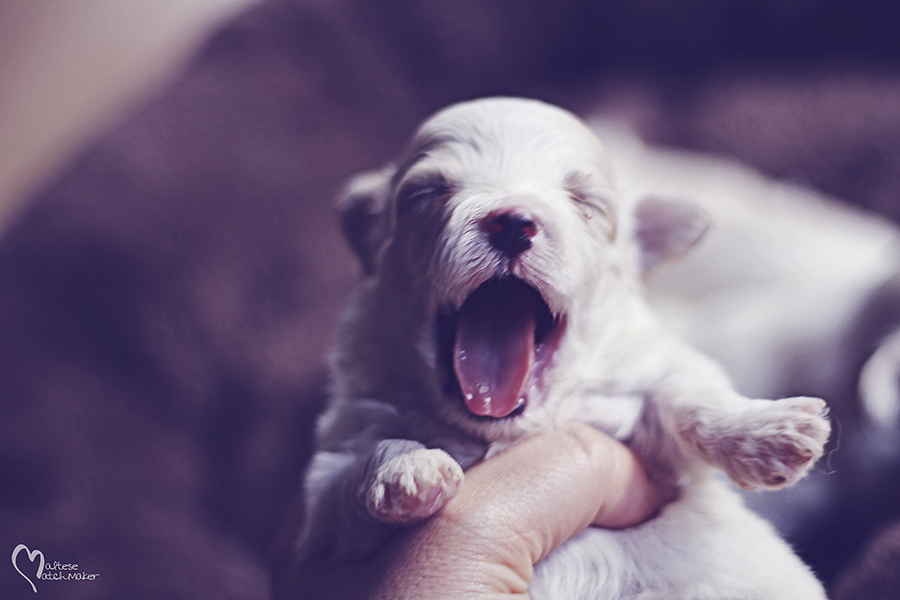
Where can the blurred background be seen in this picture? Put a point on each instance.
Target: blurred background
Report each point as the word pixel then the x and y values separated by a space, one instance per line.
pixel 73 68
pixel 170 267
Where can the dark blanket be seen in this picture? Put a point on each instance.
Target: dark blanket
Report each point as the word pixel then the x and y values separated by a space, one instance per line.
pixel 165 305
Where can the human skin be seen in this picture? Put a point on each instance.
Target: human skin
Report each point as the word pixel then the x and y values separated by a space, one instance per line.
pixel 513 510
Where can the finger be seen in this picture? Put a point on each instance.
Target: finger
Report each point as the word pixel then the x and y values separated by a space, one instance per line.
pixel 556 484
pixel 517 507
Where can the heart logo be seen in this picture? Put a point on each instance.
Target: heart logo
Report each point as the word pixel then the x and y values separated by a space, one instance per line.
pixel 31 556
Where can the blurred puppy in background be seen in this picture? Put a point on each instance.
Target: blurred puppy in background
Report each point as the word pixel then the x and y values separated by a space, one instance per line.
pixel 792 291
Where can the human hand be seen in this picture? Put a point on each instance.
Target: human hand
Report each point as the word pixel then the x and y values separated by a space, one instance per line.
pixel 513 510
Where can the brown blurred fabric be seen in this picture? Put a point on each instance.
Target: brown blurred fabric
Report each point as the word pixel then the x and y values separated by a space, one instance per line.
pixel 875 574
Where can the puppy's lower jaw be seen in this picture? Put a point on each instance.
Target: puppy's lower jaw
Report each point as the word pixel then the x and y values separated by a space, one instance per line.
pixel 496 347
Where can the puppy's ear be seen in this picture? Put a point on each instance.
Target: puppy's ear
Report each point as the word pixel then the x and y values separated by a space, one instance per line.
pixel 667 228
pixel 365 217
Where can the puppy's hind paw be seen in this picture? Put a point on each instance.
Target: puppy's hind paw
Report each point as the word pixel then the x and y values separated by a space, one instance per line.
pixel 777 443
pixel 412 486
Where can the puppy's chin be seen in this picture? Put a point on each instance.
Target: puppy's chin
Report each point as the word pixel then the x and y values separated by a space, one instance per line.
pixel 495 348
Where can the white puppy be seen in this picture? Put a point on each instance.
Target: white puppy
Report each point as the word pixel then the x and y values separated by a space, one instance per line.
pixel 504 297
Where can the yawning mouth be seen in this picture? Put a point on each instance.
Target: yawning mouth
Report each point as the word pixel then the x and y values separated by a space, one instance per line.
pixel 497 344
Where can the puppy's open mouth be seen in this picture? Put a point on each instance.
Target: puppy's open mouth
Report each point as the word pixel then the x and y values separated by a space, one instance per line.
pixel 497 345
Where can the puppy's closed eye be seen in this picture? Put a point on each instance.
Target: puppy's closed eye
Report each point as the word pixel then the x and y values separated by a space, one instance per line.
pixel 591 205
pixel 423 192
pixel 590 200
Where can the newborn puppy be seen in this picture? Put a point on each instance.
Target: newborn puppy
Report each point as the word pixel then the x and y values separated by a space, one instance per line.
pixel 503 297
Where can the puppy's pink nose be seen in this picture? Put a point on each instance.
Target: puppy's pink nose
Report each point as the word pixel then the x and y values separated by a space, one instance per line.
pixel 509 233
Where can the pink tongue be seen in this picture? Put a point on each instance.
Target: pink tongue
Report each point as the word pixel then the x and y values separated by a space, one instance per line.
pixel 494 351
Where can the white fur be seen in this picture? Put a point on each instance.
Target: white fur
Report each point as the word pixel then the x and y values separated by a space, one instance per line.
pixel 785 271
pixel 418 231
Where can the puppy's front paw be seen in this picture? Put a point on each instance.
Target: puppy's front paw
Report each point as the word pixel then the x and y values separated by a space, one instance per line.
pixel 772 443
pixel 412 486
